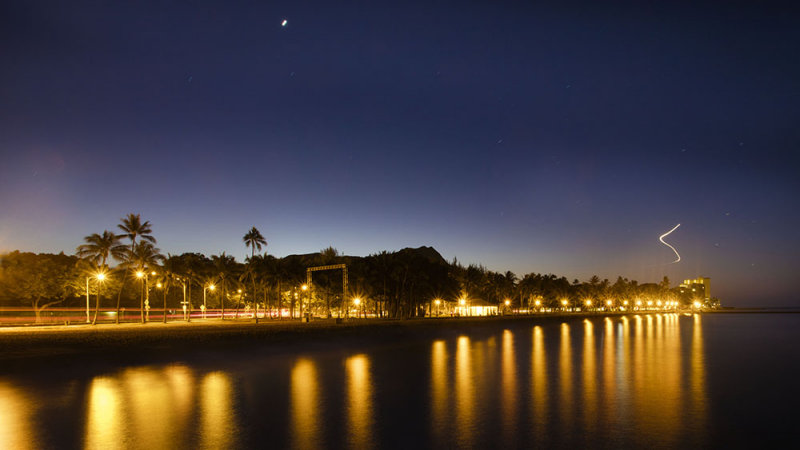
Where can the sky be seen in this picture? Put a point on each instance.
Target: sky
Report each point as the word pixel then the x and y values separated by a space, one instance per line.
pixel 560 137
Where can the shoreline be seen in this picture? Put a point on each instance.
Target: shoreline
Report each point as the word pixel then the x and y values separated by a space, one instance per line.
pixel 21 346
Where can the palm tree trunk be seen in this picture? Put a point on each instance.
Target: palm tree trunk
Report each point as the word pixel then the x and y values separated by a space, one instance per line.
pixel 222 300
pixel 96 306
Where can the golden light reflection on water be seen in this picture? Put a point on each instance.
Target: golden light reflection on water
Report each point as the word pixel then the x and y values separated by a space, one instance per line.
pixel 626 377
pixel 589 376
pixel 464 393
pixel 698 373
pixel 105 424
pixel 565 376
pixel 439 392
pixel 16 429
pixel 509 388
pixel 218 417
pixel 147 400
pixel 539 379
pixel 305 405
pixel 359 402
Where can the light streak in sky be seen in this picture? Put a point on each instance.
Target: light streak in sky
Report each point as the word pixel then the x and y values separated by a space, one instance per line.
pixel 661 238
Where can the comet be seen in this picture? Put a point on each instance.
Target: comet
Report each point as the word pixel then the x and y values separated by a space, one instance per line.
pixel 661 238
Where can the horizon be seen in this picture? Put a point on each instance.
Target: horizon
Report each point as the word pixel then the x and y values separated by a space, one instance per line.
pixel 556 138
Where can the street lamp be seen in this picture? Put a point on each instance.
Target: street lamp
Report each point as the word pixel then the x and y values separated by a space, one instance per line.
pixel 100 277
pixel 564 303
pixel 437 302
pixel 357 302
pixel 211 288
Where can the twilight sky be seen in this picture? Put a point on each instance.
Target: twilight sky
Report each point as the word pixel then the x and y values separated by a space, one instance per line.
pixel 559 138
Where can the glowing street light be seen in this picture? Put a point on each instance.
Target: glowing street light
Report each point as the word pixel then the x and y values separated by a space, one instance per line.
pixel 100 277
pixel 139 274
pixel 211 288
pixel 437 302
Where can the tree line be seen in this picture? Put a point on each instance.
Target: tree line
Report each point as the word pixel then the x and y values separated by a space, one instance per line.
pixel 401 284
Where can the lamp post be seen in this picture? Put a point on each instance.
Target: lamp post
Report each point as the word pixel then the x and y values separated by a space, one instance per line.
pixel 463 303
pixel 141 276
pixel 211 288
pixel 507 302
pixel 99 276
pixel 304 288
pixel 184 303
pixel 357 302
pixel 87 300
pixel 437 302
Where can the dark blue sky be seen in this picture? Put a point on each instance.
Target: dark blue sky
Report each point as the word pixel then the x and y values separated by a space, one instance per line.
pixel 559 138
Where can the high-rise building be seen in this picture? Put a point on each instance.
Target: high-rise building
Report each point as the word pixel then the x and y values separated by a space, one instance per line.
pixel 700 286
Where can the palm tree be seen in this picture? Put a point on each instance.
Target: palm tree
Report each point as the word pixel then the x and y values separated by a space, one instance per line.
pixel 223 265
pixel 168 273
pixel 97 250
pixel 133 227
pixel 144 255
pixel 254 240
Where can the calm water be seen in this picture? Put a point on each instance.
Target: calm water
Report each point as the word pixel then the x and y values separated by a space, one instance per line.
pixel 660 380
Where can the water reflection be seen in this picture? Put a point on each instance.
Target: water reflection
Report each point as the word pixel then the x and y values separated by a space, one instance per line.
pixel 359 404
pixel 105 425
pixel 146 393
pixel 589 377
pixel 698 374
pixel 565 377
pixel 439 392
pixel 509 388
pixel 16 428
pixel 539 380
pixel 305 405
pixel 578 383
pixel 218 417
pixel 464 393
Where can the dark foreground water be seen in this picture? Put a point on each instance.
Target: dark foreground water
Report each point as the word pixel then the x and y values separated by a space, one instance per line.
pixel 638 381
